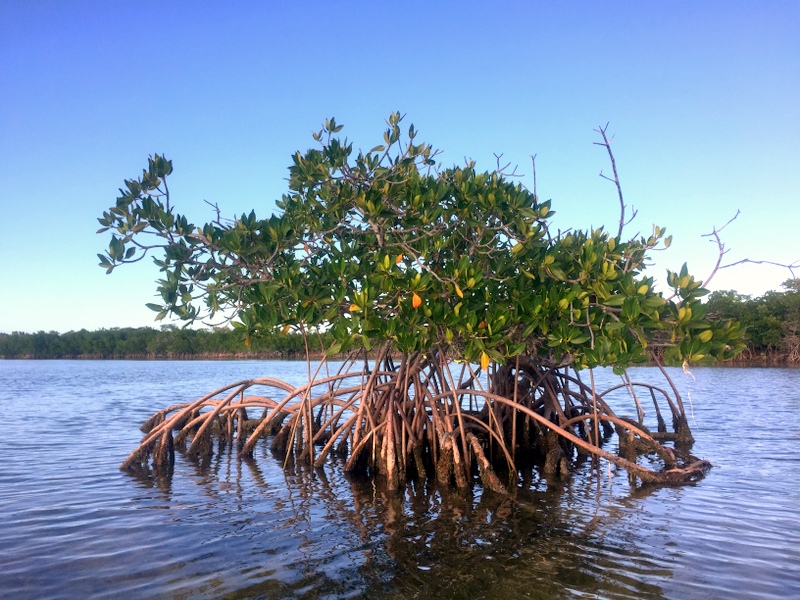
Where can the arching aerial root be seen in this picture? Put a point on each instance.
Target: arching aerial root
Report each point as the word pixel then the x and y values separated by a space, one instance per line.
pixel 416 419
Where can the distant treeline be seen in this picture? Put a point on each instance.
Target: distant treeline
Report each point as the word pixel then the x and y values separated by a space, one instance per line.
pixel 145 342
pixel 771 321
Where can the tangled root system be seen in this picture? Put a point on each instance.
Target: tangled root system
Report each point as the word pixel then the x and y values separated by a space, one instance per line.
pixel 412 417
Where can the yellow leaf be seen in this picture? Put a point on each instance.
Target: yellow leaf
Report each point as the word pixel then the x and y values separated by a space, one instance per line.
pixel 416 301
pixel 399 259
pixel 706 336
pixel 485 360
pixel 459 293
pixel 286 329
pixel 354 308
pixel 643 289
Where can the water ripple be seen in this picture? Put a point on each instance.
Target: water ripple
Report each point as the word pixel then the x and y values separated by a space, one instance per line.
pixel 75 526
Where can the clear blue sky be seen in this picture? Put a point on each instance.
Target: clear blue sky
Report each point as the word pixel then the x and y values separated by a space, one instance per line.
pixel 703 98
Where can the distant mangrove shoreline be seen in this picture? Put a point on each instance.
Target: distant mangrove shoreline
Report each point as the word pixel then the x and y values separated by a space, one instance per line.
pixel 761 360
pixel 147 343
pixel 771 323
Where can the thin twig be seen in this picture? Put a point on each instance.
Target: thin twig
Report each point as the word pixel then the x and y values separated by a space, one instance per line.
pixel 723 251
pixel 606 143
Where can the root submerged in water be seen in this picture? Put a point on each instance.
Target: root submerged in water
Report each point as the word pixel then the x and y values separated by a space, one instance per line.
pixel 415 419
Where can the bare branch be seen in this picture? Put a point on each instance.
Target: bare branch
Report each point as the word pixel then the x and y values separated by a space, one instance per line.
pixel 606 143
pixel 723 251
pixel 166 191
pixel 502 170
pixel 497 158
pixel 720 246
pixel 790 266
pixel 215 206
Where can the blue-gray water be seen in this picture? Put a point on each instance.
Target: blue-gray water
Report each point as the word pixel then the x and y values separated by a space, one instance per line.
pixel 74 526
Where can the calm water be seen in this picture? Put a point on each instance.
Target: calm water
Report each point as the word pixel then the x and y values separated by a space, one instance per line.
pixel 74 526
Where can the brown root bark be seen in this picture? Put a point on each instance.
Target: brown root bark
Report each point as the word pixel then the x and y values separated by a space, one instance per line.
pixel 415 419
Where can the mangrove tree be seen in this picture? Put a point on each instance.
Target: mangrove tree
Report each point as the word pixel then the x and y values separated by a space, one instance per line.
pixel 470 326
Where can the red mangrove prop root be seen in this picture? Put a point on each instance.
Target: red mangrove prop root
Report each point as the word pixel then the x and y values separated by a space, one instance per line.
pixel 411 418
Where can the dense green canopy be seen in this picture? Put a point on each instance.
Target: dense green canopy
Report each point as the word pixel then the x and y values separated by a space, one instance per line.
pixel 389 246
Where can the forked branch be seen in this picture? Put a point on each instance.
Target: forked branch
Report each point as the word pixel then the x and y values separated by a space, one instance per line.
pixel 722 251
pixel 606 143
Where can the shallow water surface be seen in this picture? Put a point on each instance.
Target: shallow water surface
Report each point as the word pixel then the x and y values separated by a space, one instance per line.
pixel 75 526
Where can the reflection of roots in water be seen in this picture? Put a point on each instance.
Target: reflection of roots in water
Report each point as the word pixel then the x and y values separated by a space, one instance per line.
pixel 415 420
pixel 424 538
